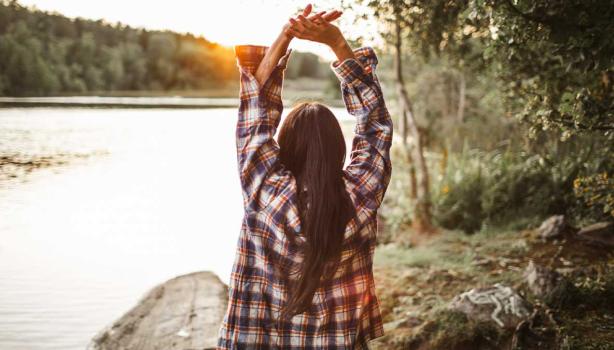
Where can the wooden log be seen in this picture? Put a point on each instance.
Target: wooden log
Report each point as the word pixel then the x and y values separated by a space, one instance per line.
pixel 180 314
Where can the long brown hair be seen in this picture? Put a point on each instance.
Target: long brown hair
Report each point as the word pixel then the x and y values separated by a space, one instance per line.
pixel 312 147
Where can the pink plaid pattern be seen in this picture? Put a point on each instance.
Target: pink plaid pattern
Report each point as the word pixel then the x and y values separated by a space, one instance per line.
pixel 344 313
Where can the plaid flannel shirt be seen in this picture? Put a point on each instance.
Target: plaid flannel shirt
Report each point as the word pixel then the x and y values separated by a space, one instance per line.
pixel 344 313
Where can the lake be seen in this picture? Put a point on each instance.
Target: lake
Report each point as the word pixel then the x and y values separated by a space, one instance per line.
pixel 145 195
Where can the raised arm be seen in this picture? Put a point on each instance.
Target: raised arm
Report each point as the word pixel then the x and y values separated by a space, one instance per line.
pixel 260 110
pixel 261 78
pixel 370 168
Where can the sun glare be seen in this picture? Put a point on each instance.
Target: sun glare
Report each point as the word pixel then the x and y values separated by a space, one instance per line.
pixel 228 22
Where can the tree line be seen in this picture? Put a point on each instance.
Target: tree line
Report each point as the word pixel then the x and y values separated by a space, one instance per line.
pixel 44 53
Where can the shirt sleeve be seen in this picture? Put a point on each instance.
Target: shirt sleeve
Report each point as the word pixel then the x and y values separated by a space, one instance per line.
pixel 369 169
pixel 260 111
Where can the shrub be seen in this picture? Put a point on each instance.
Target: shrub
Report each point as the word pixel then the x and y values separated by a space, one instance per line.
pixel 515 190
pixel 596 191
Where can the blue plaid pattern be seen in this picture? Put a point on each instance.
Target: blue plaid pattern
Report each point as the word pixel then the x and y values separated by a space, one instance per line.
pixel 344 313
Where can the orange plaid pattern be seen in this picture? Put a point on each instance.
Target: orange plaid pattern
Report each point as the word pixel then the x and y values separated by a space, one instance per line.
pixel 344 313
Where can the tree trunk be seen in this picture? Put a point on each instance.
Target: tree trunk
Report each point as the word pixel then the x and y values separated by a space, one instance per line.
pixel 460 114
pixel 413 180
pixel 422 221
pixel 446 96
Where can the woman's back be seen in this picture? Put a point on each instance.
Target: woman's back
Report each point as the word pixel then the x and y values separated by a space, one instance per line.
pixel 344 313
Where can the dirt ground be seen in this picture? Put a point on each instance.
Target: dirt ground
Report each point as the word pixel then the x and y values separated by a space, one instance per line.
pixel 415 285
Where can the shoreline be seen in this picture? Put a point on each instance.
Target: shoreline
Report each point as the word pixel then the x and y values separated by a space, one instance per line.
pixel 144 102
pixel 119 102
pixel 184 312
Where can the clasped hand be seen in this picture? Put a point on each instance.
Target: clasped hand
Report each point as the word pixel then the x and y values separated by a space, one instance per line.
pixel 315 27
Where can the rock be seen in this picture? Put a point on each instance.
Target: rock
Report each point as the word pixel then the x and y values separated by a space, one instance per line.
pixel 500 304
pixel 182 313
pixel 554 227
pixel 407 322
pixel 413 321
pixel 601 233
pixel 392 325
pixel 541 280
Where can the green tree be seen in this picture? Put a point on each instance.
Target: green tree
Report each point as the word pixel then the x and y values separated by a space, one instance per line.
pixel 44 53
pixel 25 70
pixel 554 59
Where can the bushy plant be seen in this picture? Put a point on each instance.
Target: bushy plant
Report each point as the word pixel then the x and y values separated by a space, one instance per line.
pixel 515 190
pixel 458 200
pixel 398 208
pixel 596 191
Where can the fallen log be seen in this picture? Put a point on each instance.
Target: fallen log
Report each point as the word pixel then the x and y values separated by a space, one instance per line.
pixel 180 314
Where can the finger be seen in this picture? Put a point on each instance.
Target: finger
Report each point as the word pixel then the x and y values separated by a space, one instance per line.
pixel 297 25
pixel 305 22
pixel 314 15
pixel 318 20
pixel 295 33
pixel 296 29
pixel 335 15
pixel 307 10
pixel 331 16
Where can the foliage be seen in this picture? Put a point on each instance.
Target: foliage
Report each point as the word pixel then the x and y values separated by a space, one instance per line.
pixel 554 60
pixel 397 205
pixel 307 64
pixel 548 63
pixel 596 191
pixel 450 332
pixel 434 86
pixel 559 59
pixel 502 187
pixel 45 53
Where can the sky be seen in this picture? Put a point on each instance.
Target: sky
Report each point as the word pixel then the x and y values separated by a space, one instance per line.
pixel 228 22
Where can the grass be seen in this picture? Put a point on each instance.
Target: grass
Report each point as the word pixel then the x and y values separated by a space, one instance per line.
pixel 417 283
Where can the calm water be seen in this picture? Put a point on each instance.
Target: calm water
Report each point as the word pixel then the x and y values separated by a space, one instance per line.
pixel 80 244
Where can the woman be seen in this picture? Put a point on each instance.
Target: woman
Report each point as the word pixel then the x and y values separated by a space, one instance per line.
pixel 302 276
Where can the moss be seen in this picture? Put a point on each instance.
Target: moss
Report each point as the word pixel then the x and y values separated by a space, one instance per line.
pixel 443 252
pixel 420 281
pixel 451 330
pixel 564 295
pixel 584 293
pixel 586 321
pixel 580 343
pixel 590 331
